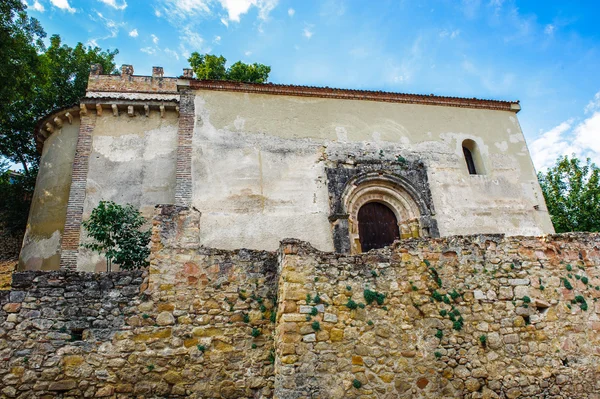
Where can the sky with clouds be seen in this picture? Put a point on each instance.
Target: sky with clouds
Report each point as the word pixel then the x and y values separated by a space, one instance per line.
pixel 544 53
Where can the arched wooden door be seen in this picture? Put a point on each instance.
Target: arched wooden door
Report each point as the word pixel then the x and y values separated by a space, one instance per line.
pixel 377 226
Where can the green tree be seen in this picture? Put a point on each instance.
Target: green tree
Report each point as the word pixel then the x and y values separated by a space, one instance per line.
pixel 210 66
pixel 116 233
pixel 252 73
pixel 20 42
pixel 35 81
pixel 572 192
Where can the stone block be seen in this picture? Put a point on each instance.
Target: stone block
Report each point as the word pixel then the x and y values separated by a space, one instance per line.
pixel 63 385
pixel 309 338
pixel 330 317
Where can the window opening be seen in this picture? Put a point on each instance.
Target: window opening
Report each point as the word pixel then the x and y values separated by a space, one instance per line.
pixel 470 161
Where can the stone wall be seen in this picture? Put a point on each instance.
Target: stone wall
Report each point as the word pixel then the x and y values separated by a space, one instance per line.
pixel 465 317
pixel 10 245
pixel 197 324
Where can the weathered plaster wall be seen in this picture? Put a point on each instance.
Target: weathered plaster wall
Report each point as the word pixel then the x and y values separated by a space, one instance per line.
pixel 132 161
pixel 482 316
pixel 259 162
pixel 45 226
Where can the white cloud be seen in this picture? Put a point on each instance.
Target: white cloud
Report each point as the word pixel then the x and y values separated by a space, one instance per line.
pixel 593 104
pixel 248 53
pixel 134 33
pixel 114 4
pixel 157 13
pixel 172 53
pixel 587 136
pixel 63 5
pixel 111 26
pixel 189 39
pixel 291 12
pixel 582 139
pixel 179 10
pixel 148 50
pixel 307 33
pixel 37 6
pixel 217 39
pixel 224 22
pixel 453 34
pixel 154 39
pixel 549 29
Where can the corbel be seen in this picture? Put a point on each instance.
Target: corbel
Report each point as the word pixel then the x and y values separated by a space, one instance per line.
pixel 177 110
pixel 58 122
pixel 115 109
pixel 82 109
pixel 162 111
pixel 49 127
pixel 130 110
pixel 69 117
pixel 99 109
pixel 147 110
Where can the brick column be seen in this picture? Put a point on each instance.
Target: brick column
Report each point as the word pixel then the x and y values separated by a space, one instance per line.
pixel 183 187
pixel 70 238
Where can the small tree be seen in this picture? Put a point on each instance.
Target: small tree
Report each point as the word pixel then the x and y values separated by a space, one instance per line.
pixel 572 192
pixel 116 233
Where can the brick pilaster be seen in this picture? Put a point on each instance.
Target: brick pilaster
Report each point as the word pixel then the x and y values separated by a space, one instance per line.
pixel 183 188
pixel 70 238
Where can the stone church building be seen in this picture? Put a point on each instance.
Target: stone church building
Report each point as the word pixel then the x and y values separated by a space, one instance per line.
pixel 346 170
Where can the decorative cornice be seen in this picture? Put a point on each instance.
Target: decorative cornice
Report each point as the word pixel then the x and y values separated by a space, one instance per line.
pixel 348 94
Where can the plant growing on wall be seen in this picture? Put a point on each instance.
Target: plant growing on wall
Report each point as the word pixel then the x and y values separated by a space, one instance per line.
pixel 116 234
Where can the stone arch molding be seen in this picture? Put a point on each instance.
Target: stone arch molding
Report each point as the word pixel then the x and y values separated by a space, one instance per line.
pixel 397 193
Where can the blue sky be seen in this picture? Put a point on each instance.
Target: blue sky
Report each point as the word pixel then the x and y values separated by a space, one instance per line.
pixel 544 53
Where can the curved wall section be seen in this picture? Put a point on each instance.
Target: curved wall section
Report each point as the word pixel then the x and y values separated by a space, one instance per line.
pixel 45 226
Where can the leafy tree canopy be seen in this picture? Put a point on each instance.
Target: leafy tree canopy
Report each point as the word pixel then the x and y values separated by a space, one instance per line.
pixel 35 81
pixel 210 66
pixel 572 192
pixel 116 233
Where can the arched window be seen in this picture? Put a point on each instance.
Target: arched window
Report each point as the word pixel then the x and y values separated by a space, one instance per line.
pixel 472 158
pixel 377 226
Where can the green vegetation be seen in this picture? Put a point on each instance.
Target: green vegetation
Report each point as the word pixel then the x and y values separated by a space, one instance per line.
pixel 212 67
pixel 351 304
pixel 373 296
pixel 572 192
pixel 115 231
pixel 439 334
pixel 316 325
pixel 255 332
pixel 356 384
pixel 36 79
pixel 201 348
pixel 483 339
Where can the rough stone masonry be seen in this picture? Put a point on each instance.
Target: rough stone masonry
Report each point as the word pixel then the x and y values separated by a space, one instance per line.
pixel 482 316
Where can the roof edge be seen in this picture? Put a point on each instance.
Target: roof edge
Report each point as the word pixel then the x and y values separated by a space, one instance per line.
pixel 349 94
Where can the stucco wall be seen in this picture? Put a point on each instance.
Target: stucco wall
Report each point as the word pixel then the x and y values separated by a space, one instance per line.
pixel 132 161
pixel 258 166
pixel 45 226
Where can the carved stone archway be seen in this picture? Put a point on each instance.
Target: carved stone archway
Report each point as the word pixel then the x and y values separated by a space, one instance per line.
pixel 401 186
pixel 388 191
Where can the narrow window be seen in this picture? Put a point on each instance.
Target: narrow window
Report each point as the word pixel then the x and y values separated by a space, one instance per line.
pixel 473 158
pixel 470 162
